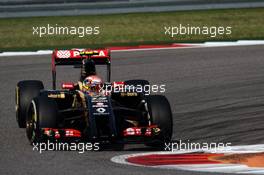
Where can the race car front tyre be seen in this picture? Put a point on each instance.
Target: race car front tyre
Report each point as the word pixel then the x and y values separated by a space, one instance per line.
pixel 160 114
pixel 25 91
pixel 42 113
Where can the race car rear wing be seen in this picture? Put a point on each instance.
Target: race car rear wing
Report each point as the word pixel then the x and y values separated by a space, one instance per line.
pixel 75 57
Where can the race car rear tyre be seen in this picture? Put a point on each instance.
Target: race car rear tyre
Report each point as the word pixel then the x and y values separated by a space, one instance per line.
pixel 160 115
pixel 25 91
pixel 42 113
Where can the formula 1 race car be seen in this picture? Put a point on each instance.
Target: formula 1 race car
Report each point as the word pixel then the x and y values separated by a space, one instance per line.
pixel 120 116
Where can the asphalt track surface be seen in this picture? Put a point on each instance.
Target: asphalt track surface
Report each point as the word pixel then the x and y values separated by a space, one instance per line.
pixel 33 8
pixel 217 95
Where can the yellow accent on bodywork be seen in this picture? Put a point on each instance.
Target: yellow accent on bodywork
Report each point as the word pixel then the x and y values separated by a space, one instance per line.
pixel 80 85
pixel 82 96
pixel 60 95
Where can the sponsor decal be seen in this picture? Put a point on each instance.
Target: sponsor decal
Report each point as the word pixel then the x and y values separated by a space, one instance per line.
pixel 100 110
pixel 99 99
pixel 100 104
pixel 101 53
pixel 63 54
pixel 60 95
pixel 247 159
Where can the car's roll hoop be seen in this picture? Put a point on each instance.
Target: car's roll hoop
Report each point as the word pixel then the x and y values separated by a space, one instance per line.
pixel 75 57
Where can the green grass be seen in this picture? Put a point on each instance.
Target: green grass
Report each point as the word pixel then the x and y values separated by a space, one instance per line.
pixel 130 29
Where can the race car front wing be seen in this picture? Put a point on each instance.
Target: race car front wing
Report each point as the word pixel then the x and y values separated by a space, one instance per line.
pixel 63 133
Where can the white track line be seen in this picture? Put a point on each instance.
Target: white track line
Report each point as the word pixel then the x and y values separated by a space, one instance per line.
pixel 191 45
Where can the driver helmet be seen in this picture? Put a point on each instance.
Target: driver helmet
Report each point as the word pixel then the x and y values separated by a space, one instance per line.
pixel 92 84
